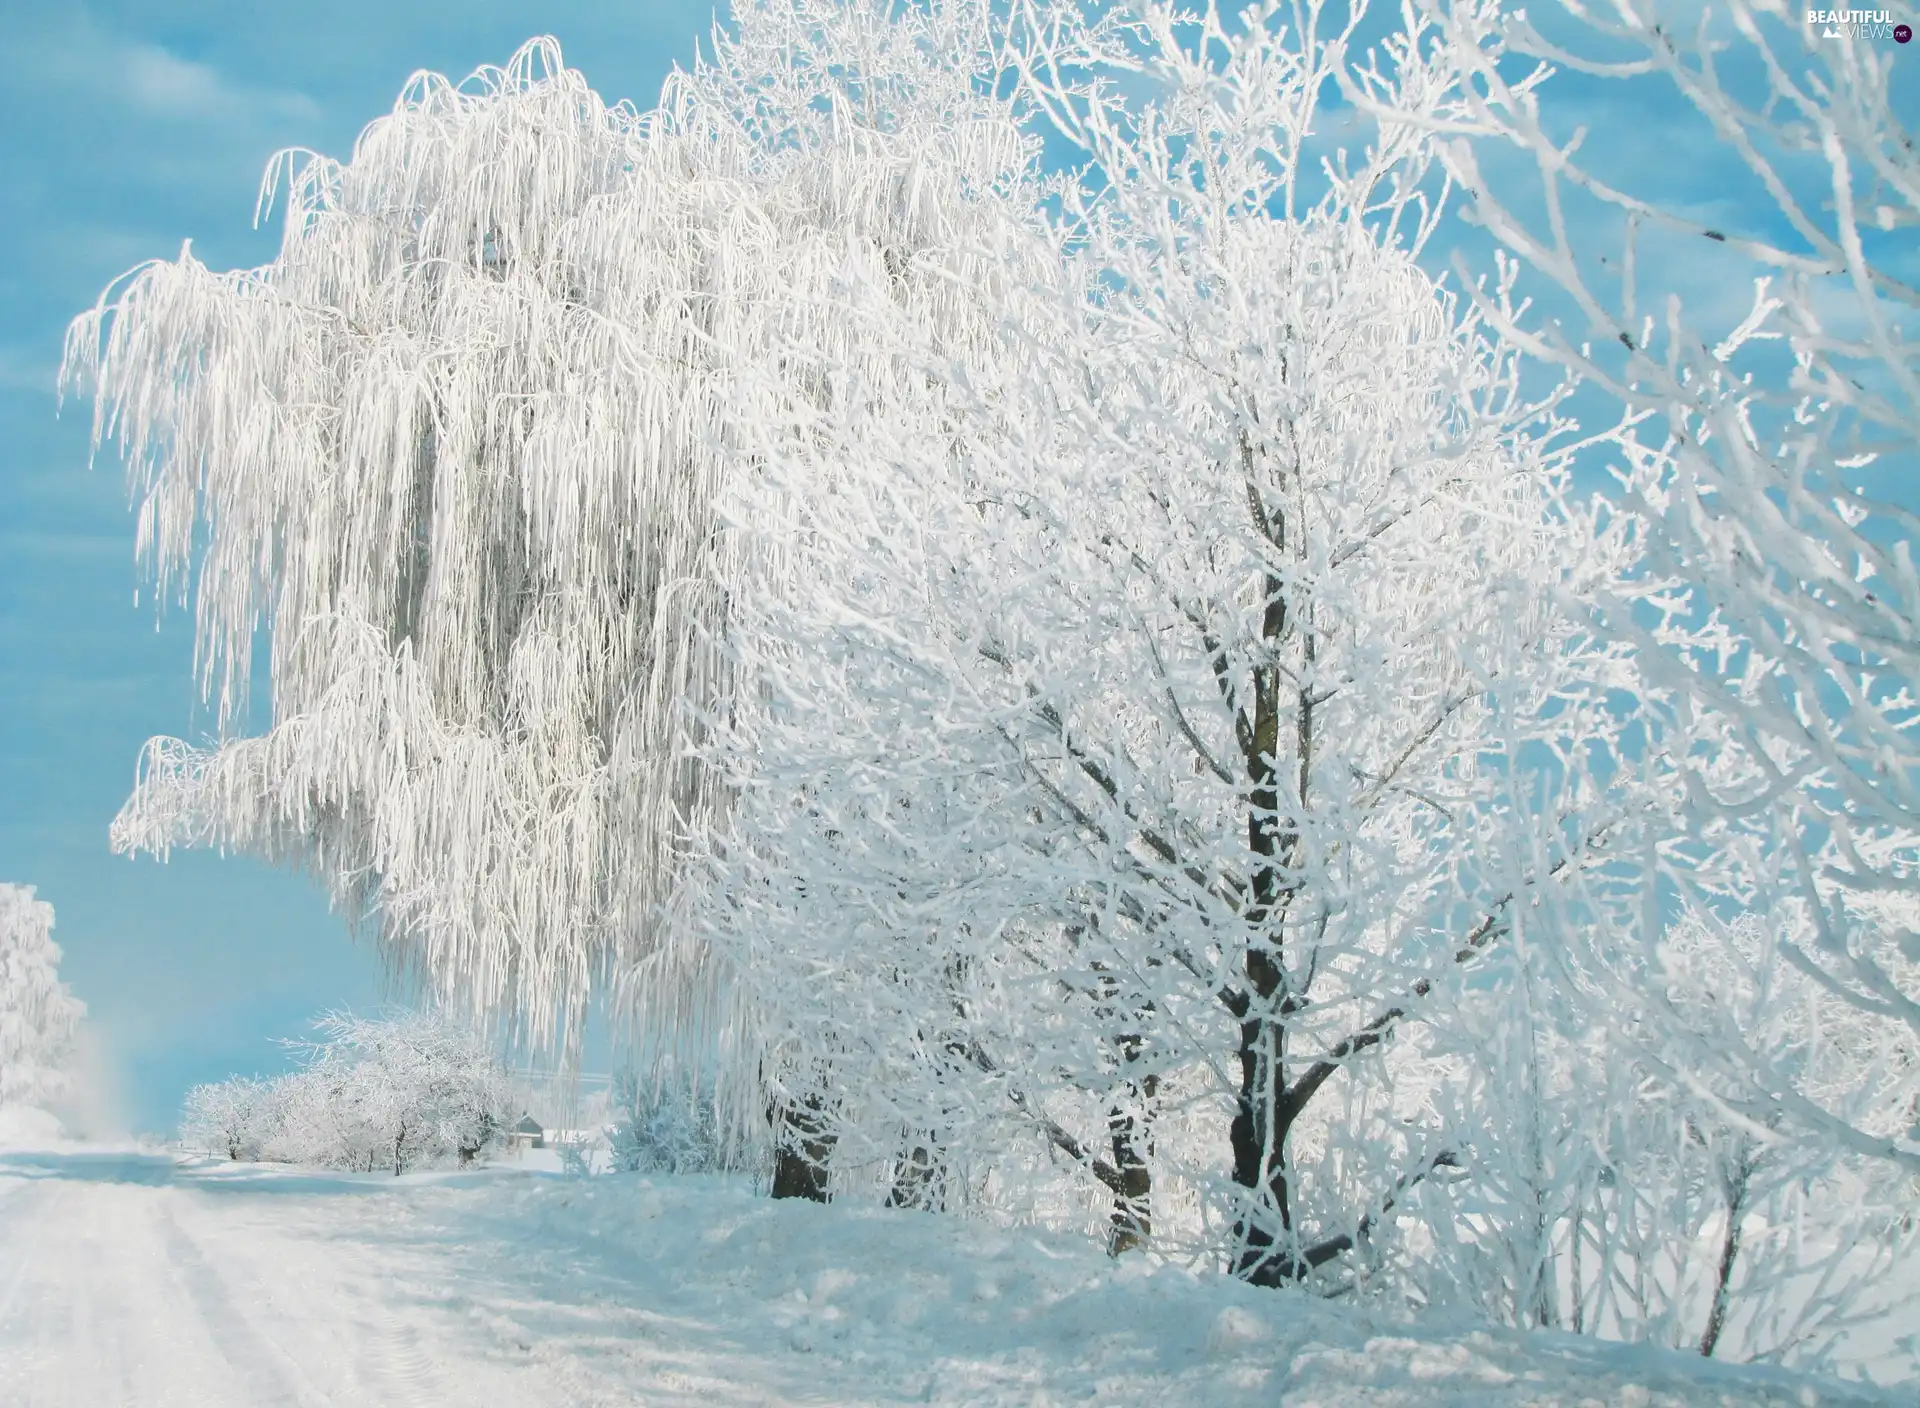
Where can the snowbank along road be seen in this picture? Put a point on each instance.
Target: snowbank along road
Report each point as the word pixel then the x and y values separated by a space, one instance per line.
pixel 128 1278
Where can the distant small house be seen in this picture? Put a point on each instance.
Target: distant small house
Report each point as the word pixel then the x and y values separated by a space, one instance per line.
pixel 526 1135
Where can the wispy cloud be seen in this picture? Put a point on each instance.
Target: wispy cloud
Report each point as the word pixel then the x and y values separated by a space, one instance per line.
pixel 71 57
pixel 160 82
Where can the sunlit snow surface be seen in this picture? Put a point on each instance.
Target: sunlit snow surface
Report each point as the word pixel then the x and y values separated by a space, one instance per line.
pixel 129 1278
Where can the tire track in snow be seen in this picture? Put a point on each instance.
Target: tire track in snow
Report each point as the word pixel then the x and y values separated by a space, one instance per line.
pixel 27 1326
pixel 128 1286
pixel 403 1367
pixel 48 1308
pixel 270 1374
pixel 94 1317
pixel 12 1192
pixel 396 1358
pixel 324 1277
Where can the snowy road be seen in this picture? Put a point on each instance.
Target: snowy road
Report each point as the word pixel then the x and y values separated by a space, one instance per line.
pixel 128 1280
pixel 122 1282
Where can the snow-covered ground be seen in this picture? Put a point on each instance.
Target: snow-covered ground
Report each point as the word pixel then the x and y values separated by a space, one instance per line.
pixel 129 1278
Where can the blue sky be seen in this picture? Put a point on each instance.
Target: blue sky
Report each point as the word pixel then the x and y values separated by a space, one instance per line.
pixel 126 129
pixel 130 127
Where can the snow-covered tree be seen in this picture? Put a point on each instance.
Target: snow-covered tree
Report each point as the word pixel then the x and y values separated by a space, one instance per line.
pixel 237 1118
pixel 394 1092
pixel 1604 1191
pixel 1157 708
pixel 1775 611
pixel 456 449
pixel 38 1013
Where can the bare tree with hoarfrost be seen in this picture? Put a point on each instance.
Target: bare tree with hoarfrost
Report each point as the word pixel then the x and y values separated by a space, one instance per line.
pixel 236 1117
pixel 456 449
pixel 1775 609
pixel 1151 705
pixel 395 1091
pixel 1611 1195
pixel 38 1014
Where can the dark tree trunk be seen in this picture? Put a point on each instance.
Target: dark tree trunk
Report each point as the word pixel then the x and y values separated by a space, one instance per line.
pixel 1717 1317
pixel 1131 1131
pixel 1258 1136
pixel 1738 1180
pixel 479 1140
pixel 1132 1222
pixel 1276 699
pixel 1268 1255
pixel 802 1145
pixel 919 1178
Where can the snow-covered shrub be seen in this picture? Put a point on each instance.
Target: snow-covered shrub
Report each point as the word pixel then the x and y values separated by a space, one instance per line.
pixel 1603 1189
pixel 38 1013
pixel 666 1129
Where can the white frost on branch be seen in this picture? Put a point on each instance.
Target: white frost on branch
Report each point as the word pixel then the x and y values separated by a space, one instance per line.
pixel 1165 702
pixel 1775 610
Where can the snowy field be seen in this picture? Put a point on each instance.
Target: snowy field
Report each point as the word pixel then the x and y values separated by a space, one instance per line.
pixel 127 1277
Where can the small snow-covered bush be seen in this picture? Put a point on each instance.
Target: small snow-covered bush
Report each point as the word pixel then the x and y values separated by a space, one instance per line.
pixel 1592 1196
pixel 660 1130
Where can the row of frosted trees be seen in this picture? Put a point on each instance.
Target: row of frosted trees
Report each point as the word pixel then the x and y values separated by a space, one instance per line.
pixel 372 1093
pixel 968 575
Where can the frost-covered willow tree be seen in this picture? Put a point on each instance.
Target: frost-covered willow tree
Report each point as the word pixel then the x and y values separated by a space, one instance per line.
pixel 38 1014
pixel 1168 705
pixel 455 449
pixel 1768 349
